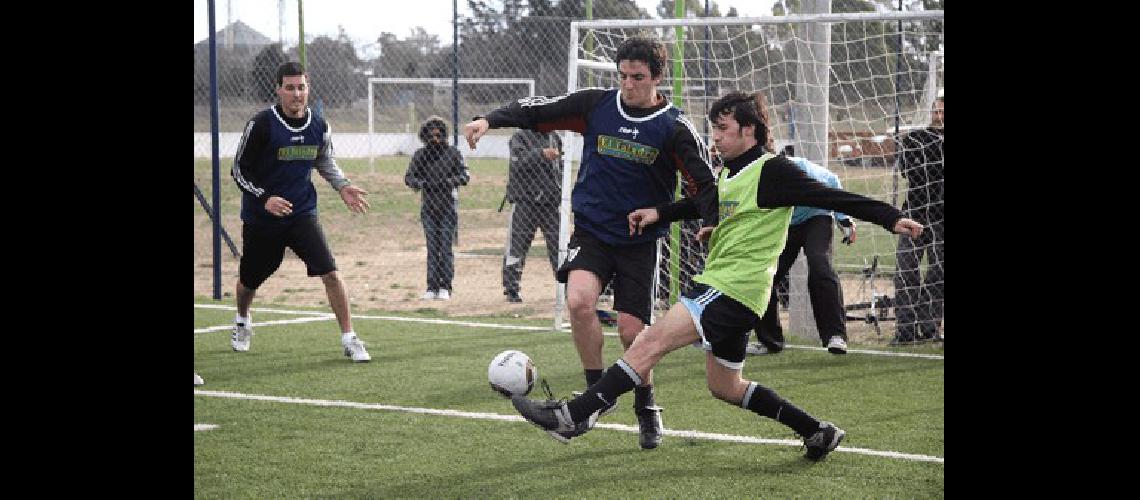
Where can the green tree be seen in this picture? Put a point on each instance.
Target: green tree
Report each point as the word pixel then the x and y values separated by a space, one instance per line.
pixel 263 87
pixel 336 71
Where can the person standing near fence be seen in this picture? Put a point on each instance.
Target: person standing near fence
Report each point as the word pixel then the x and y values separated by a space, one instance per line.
pixel 534 188
pixel 436 171
pixel 919 302
pixel 810 229
pixel 273 167
pixel 635 142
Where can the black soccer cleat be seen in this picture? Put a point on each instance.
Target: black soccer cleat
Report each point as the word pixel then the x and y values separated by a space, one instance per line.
pixel 824 440
pixel 649 426
pixel 553 417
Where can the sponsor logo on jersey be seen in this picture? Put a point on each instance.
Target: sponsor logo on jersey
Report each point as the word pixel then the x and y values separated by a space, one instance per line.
pixel 626 150
pixel 302 152
pixel 633 131
pixel 297 138
pixel 727 208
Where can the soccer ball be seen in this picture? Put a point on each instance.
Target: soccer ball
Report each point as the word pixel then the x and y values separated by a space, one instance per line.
pixel 512 373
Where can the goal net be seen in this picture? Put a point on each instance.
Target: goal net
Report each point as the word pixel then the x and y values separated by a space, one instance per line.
pixel 841 88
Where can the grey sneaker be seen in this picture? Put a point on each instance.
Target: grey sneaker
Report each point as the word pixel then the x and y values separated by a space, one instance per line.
pixel 649 426
pixel 553 417
pixel 824 440
pixel 239 340
pixel 354 349
pixel 836 345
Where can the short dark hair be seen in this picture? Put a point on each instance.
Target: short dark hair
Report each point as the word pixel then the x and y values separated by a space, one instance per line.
pixel 290 68
pixel 746 109
pixel 651 52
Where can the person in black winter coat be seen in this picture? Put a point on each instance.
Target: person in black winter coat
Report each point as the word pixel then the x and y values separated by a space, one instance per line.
pixel 436 171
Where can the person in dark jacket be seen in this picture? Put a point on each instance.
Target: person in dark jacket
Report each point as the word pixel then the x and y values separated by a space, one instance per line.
pixel 534 189
pixel 918 300
pixel 436 171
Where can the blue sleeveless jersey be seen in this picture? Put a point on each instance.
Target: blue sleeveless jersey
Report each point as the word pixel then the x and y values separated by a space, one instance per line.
pixel 286 164
pixel 624 168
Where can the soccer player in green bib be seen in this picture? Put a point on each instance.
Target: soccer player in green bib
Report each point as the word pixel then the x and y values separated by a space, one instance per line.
pixel 756 191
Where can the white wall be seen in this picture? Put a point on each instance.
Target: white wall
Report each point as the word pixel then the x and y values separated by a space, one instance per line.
pixel 348 145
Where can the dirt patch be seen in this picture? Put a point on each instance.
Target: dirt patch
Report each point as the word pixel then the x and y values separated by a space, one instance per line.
pixel 383 268
pixel 381 258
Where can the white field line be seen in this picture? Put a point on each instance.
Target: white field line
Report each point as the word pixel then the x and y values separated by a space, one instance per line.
pixel 516 418
pixel 204 427
pixel 326 317
pixel 864 351
pixel 490 325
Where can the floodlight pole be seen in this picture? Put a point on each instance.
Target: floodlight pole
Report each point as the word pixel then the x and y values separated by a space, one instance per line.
pixel 214 161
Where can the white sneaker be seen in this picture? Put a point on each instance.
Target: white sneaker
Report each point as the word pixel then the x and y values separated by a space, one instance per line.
pixel 443 294
pixel 240 338
pixel 428 295
pixel 354 349
pixel 198 380
pixel 757 348
pixel 836 345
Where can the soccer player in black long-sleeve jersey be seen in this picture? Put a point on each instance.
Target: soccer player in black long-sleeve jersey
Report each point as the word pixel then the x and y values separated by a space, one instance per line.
pixel 634 142
pixel 273 167
pixel 756 193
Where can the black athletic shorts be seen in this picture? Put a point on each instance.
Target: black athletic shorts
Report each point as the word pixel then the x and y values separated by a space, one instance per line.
pixel 263 248
pixel 631 267
pixel 722 322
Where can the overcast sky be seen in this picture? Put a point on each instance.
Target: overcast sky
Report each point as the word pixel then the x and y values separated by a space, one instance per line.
pixel 364 20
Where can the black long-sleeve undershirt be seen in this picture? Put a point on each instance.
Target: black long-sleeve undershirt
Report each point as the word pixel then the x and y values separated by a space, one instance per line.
pixel 783 184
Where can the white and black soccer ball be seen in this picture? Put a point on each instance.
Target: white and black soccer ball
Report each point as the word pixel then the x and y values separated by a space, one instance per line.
pixel 512 373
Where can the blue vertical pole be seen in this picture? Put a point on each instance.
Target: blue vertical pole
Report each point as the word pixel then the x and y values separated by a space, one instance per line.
pixel 216 180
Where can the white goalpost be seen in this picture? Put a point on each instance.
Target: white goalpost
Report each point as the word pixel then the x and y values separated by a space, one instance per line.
pixel 840 87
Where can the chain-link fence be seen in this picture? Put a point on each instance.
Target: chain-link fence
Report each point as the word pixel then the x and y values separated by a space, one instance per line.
pixel 435 226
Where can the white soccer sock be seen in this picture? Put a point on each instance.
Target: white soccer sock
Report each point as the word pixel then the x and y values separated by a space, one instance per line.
pixel 243 320
pixel 347 336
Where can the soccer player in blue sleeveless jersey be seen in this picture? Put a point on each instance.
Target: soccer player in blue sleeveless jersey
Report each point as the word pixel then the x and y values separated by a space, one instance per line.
pixel 756 190
pixel 634 143
pixel 273 167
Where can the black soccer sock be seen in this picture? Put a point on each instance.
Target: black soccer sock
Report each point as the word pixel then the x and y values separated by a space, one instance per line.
pixel 593 376
pixel 643 396
pixel 764 401
pixel 618 379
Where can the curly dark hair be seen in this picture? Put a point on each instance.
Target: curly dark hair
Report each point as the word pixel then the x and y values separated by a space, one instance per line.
pixel 433 123
pixel 746 109
pixel 649 51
